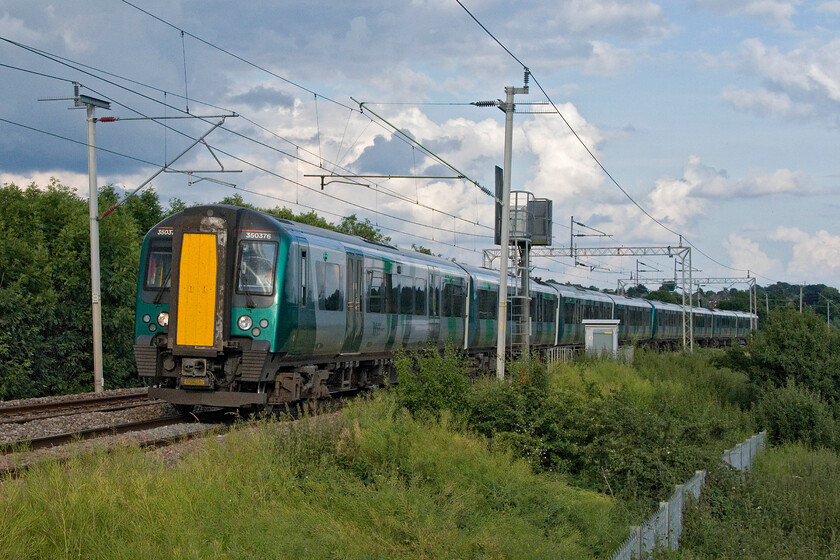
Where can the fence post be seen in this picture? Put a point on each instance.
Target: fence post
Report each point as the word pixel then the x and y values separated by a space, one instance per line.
pixel 675 529
pixel 638 550
pixel 667 507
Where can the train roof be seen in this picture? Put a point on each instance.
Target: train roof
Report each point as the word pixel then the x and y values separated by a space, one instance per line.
pixel 635 302
pixel 579 293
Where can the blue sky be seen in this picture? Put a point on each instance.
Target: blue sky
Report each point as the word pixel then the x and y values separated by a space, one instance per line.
pixel 720 118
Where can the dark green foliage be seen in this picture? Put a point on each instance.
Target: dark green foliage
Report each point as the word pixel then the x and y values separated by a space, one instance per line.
pixel 665 293
pixel 633 442
pixel 45 309
pixel 793 413
pixel 350 224
pixel 791 345
pixel 430 382
pixel 604 441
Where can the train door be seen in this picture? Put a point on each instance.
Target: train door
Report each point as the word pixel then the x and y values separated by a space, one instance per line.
pixel 355 321
pixel 306 327
pixel 434 307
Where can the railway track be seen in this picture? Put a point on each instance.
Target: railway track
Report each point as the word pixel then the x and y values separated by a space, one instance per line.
pixel 52 440
pixel 161 431
pixel 26 412
pixel 17 457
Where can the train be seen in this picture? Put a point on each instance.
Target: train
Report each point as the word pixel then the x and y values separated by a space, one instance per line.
pixel 239 308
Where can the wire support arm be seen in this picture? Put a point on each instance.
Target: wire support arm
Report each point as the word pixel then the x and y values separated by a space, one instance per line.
pixel 161 170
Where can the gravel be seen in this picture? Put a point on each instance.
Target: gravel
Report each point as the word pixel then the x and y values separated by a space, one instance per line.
pixel 11 432
pixel 72 397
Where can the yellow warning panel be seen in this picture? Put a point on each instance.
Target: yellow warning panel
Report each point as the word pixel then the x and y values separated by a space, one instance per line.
pixel 197 290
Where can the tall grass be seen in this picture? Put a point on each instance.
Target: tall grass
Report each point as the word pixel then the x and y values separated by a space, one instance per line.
pixel 372 482
pixel 787 507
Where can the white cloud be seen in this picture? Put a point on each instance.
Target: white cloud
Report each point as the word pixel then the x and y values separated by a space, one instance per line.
pixel 781 181
pixel 563 170
pixel 815 257
pixel 675 200
pixel 607 60
pixel 802 82
pixel 832 7
pixel 16 29
pixel 746 254
pixel 763 103
pixel 639 16
pixel 775 12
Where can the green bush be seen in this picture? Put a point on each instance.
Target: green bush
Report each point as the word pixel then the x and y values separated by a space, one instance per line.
pixel 794 413
pixel 430 382
pixel 791 345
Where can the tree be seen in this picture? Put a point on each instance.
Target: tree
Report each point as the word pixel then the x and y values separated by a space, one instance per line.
pixel 350 224
pixel 637 291
pixel 45 311
pixel 664 294
pixel 791 346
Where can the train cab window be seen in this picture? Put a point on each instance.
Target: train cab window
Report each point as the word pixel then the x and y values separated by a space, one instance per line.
pixel 158 269
pixel 303 275
pixel 257 267
pixel 328 277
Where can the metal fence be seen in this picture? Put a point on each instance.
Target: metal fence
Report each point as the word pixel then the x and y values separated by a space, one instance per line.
pixel 568 354
pixel 664 528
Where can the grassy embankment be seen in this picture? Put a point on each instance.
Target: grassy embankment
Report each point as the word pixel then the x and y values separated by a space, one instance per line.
pixel 544 465
pixel 788 507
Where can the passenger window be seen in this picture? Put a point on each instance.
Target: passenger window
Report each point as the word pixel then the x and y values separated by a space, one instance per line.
pixel 391 295
pixel 406 295
pixel 375 299
pixel 419 296
pixel 257 267
pixel 486 307
pixel 329 286
pixel 434 296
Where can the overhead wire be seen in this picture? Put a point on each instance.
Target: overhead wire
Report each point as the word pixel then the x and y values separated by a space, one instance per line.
pixel 71 64
pixel 588 150
pixel 290 82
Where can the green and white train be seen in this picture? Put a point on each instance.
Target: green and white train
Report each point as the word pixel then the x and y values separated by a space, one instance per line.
pixel 236 307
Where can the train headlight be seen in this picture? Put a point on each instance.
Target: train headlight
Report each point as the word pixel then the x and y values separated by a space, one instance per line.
pixel 163 318
pixel 245 323
pixel 147 318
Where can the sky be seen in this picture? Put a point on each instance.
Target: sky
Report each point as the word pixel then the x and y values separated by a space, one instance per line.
pixel 708 121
